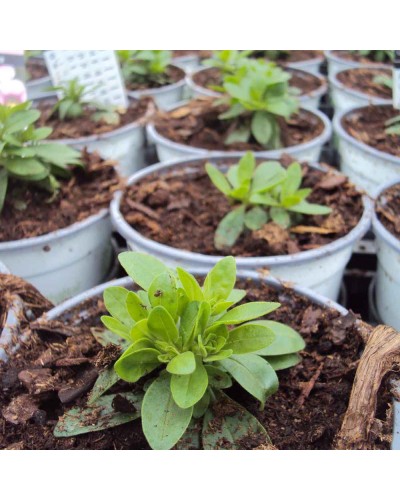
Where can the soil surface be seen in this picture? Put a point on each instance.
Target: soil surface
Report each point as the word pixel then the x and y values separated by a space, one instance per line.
pixel 388 210
pixel 305 82
pixel 362 80
pixel 173 74
pixel 183 209
pixel 35 69
pixel 196 124
pixel 28 211
pixel 64 358
pixel 84 126
pixel 368 125
pixel 203 54
pixel 352 56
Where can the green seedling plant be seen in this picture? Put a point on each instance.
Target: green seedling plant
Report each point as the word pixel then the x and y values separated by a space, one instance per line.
pixel 257 96
pixel 267 192
pixel 25 157
pixel 192 341
pixel 141 67
pixel 228 61
pixel 376 55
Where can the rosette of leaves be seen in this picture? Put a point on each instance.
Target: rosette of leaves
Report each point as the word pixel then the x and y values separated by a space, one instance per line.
pixel 23 155
pixel 228 61
pixel 260 193
pixel 257 96
pixel 195 340
pixel 376 55
pixel 73 103
pixel 145 66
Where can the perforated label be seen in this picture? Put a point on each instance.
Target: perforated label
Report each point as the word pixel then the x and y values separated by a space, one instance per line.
pixel 97 70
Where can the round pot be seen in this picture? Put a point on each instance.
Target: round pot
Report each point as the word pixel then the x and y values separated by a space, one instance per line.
pixel 320 269
pixel 387 289
pixel 367 167
pixel 65 262
pixel 165 96
pixel 310 65
pixel 188 63
pixel 308 101
pixel 345 98
pixel 336 63
pixel 309 151
pixel 125 145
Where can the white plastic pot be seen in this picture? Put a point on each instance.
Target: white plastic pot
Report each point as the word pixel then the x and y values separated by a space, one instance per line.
pixel 387 290
pixel 336 63
pixel 165 96
pixel 37 88
pixel 310 151
pixel 65 262
pixel 345 98
pixel 320 269
pixel 310 65
pixel 308 101
pixel 315 298
pixel 367 167
pixel 188 63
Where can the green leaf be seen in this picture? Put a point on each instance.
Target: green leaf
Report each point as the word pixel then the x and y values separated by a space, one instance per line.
pixel 163 422
pixel 18 121
pixel 220 281
pixel 230 228
pixel 107 337
pixel 187 390
pixel 41 133
pixel 132 366
pixel 188 322
pixel 264 199
pixel 241 134
pixel 116 327
pixel 163 292
pixel 253 373
pixel 26 168
pixel 190 285
pixel 255 218
pixel 201 406
pixel 162 326
pixel 106 379
pixel 80 420
pixel 246 167
pixel 58 154
pixel 280 216
pixel 182 364
pixel 142 268
pixel 217 378
pixel 248 312
pixel 218 179
pixel 286 340
pixel 293 179
pixel 230 430
pixel 140 331
pixel 218 357
pixel 283 362
pixel 310 209
pixel 249 338
pixel 262 127
pixel 267 175
pixel 3 187
pixel 115 302
pixel 135 307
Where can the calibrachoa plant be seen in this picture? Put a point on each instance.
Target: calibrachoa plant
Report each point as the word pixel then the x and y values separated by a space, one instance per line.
pixel 145 66
pixel 260 193
pixel 23 155
pixel 194 341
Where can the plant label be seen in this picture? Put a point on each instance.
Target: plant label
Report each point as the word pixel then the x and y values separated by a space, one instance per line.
pixel 97 70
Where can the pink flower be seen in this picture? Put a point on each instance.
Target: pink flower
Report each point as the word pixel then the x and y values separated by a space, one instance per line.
pixel 11 91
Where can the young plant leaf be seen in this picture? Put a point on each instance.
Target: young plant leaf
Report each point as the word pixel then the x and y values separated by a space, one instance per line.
pixel 220 281
pixel 230 228
pixel 187 390
pixel 283 362
pixel 286 339
pixel 163 292
pixel 115 301
pixel 142 268
pixel 182 364
pixel 248 312
pixel 106 379
pixel 255 218
pixel 132 366
pixel 248 338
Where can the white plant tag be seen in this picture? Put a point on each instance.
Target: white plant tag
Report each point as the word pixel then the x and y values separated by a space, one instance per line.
pixel 97 70
pixel 396 80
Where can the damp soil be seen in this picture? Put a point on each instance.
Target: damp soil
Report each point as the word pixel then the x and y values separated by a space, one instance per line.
pixel 35 69
pixel 353 56
pixel 29 212
pixel 172 75
pixel 307 83
pixel 85 126
pixel 63 358
pixel 196 124
pixel 182 209
pixel 388 210
pixel 368 125
pixel 362 80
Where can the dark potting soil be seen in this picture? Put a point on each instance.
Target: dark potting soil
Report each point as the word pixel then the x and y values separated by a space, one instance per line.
pixel 362 80
pixel 196 124
pixel 305 82
pixel 28 211
pixel 173 74
pixel 183 209
pixel 203 54
pixel 388 210
pixel 293 56
pixel 84 126
pixel 35 69
pixel 368 125
pixel 353 56
pixel 306 412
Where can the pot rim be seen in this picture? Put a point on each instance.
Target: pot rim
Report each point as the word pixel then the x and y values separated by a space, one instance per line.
pixel 131 234
pixel 333 57
pixel 4 269
pixel 160 90
pixel 338 85
pixel 326 134
pixel 344 135
pixel 378 228
pixel 54 235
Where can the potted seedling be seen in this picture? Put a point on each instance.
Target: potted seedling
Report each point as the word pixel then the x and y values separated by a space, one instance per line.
pixel 207 81
pixel 339 60
pixel 150 73
pixel 189 362
pixel 55 228
pixel 37 76
pixel 356 87
pixel 257 111
pixel 115 133
pixel 267 214
pixel 189 60
pixel 306 60
pixel 369 145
